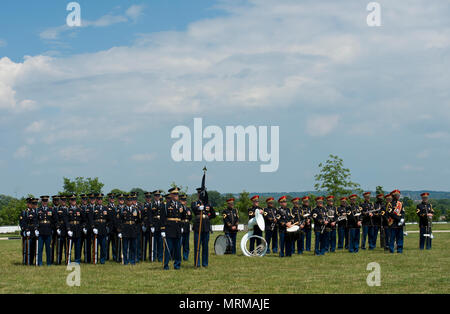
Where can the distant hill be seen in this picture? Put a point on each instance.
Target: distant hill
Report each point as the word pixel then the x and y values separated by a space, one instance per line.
pixel 414 195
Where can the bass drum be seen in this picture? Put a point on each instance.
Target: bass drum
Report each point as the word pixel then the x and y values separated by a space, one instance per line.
pixel 222 245
pixel 293 233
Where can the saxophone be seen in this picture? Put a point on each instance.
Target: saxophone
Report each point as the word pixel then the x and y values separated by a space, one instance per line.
pixel 389 210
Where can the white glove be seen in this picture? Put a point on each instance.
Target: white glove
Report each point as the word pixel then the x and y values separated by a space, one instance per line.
pixel 163 234
pixel 95 230
pixel 36 233
pixel 120 236
pixel 28 233
pixel 201 207
pixel 144 229
pixel 84 230
pixel 401 222
pixel 182 230
pixel 58 231
pixel 70 233
pixel 152 229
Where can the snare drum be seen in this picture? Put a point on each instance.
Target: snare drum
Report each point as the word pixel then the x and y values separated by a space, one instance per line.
pixel 293 233
pixel 222 245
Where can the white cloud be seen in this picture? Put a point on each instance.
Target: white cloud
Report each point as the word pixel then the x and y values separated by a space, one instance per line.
pixel 321 125
pixel 22 152
pixel 135 11
pixel 76 153
pixel 35 127
pixel 143 157
pixel 412 168
pixel 3 43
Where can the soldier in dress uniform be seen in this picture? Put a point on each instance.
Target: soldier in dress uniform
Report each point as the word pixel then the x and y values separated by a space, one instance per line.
pixel 284 217
pixel 146 219
pixel 320 223
pixel 331 212
pixel 354 224
pixel 186 228
pixel 425 212
pixel 61 221
pixel 397 216
pixel 230 222
pixel 171 216
pixel 305 236
pixel 367 214
pixel 378 219
pixel 27 223
pixel 342 224
pixel 44 230
pixel 100 222
pixel 155 226
pixel 297 215
pixel 251 214
pixel 201 245
pixel 129 219
pixel 117 223
pixel 53 208
pixel 271 225
pixel 75 218
pixel 87 211
pixel 139 240
pixel 111 238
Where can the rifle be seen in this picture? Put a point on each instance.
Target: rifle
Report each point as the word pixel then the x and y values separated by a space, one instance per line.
pixel 70 251
pixel 429 234
pixel 36 251
pixel 204 198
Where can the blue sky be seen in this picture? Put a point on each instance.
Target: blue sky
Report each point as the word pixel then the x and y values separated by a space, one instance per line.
pixel 101 100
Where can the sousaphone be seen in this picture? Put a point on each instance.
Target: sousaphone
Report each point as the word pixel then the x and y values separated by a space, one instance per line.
pixel 261 249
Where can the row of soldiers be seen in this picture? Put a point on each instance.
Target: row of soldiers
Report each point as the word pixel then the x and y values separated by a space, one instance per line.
pixel 332 224
pixel 157 230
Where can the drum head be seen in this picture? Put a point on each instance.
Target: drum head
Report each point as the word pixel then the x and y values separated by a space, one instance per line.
pixel 221 244
pixel 293 229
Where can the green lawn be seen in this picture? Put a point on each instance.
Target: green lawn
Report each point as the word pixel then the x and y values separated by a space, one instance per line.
pixel 414 271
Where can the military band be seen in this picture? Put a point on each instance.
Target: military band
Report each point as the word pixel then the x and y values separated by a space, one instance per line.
pixel 160 228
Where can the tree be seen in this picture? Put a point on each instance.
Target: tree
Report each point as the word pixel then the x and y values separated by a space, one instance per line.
pixel 334 179
pixel 379 190
pixel 81 185
pixel 243 204
pixel 9 215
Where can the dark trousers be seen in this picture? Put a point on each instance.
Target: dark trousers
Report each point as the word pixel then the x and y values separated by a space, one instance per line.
pixel 282 243
pixel 424 240
pixel 289 246
pixel 332 240
pixel 129 251
pixel 354 234
pixel 319 243
pixel 368 232
pixel 396 236
pixel 87 246
pixel 158 246
pixel 29 250
pixel 185 244
pixel 174 247
pixel 101 248
pixel 44 239
pixel 145 244
pixel 308 238
pixel 60 250
pixel 204 250
pixel 272 236
pixel 138 245
pixel 75 243
pixel 256 232
pixel 341 237
pixel 111 241
pixel 232 236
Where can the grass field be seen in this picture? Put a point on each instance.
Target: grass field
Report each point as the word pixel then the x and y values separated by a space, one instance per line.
pixel 414 271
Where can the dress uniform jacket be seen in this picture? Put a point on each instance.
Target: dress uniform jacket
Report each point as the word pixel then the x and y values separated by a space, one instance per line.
pixel 171 215
pixel 366 219
pixel 341 210
pixel 155 216
pixel 230 219
pixel 27 221
pixel 284 218
pixel 185 223
pixel 270 214
pixel 251 214
pixel 331 215
pixel 208 213
pixel 422 210
pixel 318 217
pixel 45 220
pixel 100 219
pixel 307 210
pixel 353 218
pixel 129 219
pixel 74 220
pixel 61 219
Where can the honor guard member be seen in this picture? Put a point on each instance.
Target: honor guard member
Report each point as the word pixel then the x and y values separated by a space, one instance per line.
pixel 397 216
pixel 185 228
pixel 297 215
pixel 354 224
pixel 171 226
pixel 99 223
pixel 44 230
pixel 230 222
pixel 146 218
pixel 251 214
pixel 367 222
pixel 155 228
pixel 201 244
pixel 87 228
pixel 388 208
pixel 111 238
pixel 119 209
pixel 53 208
pixel 305 236
pixel 378 218
pixel 318 215
pixel 61 221
pixel 139 225
pixel 425 212
pixel 128 231
pixel 74 228
pixel 284 215
pixel 332 220
pixel 342 223
pixel 27 223
pixel 271 225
